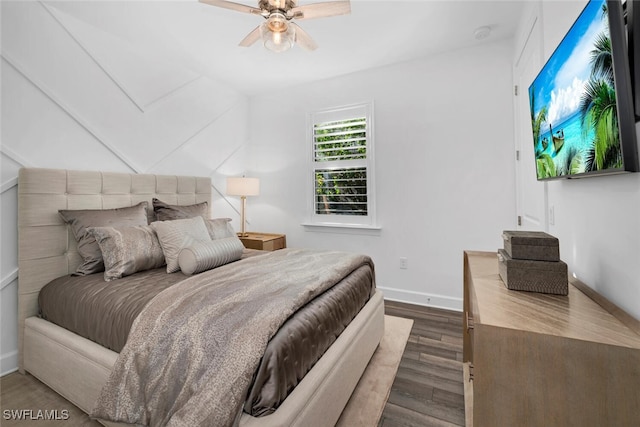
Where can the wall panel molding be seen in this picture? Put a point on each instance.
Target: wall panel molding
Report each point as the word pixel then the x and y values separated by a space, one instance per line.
pixel 68 110
pixel 12 182
pixel 15 157
pixel 190 138
pixel 93 58
pixel 170 93
pixel 9 279
pixel 8 185
pixel 75 29
pixel 225 160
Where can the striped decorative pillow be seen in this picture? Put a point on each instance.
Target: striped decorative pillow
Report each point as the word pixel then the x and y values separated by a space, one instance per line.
pixel 207 255
pixel 178 234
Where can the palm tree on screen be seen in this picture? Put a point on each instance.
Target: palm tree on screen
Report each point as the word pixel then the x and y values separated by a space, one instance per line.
pixel 598 107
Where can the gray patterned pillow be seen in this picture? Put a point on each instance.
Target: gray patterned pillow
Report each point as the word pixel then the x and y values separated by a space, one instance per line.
pixel 178 234
pixel 80 220
pixel 167 212
pixel 207 255
pixel 220 228
pixel 128 250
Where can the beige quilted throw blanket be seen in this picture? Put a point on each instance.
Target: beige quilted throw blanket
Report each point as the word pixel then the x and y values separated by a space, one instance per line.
pixel 192 352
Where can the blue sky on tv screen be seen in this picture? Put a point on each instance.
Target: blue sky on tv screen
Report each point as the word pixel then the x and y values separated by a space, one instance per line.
pixel 560 83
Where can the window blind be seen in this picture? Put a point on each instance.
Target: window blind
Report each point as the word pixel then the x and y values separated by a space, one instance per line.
pixel 340 140
pixel 342 166
pixel 341 191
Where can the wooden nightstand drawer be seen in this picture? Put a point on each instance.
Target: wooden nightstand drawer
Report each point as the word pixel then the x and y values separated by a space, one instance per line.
pixel 264 241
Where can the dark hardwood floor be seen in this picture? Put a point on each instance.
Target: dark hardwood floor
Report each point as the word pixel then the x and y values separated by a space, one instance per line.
pixel 428 389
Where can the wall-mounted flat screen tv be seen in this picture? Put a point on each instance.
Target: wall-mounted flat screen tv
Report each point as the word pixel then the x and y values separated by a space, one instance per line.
pixel 581 101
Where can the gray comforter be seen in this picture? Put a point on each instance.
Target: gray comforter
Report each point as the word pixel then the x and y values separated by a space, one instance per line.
pixel 192 352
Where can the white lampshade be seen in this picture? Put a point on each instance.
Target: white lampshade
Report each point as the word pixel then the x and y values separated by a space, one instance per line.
pixel 243 186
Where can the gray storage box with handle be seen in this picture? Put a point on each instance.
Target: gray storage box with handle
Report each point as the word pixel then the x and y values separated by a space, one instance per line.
pixel 531 245
pixel 548 277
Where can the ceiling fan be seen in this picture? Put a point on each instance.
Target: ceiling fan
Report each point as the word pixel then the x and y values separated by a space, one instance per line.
pixel 279 32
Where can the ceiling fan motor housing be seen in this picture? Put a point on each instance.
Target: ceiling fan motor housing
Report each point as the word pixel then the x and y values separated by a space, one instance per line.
pixel 282 6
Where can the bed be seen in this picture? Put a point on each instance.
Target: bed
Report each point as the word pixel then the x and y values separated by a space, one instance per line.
pixel 78 368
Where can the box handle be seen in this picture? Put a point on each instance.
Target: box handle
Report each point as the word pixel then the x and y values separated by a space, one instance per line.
pixel 500 257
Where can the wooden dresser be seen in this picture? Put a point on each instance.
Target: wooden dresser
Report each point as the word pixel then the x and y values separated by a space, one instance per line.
pixel 535 359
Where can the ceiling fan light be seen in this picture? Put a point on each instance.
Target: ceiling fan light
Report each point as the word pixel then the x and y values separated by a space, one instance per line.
pixel 277 41
pixel 277 23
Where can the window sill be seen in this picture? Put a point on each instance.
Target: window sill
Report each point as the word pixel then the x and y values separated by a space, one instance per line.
pixel 330 227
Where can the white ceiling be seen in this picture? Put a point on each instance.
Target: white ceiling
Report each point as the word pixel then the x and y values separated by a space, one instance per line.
pixel 204 39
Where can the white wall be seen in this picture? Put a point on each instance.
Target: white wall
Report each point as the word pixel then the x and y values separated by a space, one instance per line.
pixel 444 158
pixel 75 97
pixel 597 219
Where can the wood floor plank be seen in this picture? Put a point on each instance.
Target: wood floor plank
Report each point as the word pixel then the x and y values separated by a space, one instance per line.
pixel 432 347
pixel 444 397
pixel 419 312
pixel 441 362
pixel 427 391
pixel 421 367
pixel 398 416
pixel 429 408
pixel 413 388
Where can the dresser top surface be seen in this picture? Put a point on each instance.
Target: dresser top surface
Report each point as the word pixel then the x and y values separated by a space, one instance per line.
pixel 574 316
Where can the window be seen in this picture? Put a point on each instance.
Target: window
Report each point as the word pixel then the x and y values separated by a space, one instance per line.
pixel 342 166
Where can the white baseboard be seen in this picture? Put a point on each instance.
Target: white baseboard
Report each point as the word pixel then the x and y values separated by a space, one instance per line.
pixel 8 363
pixel 421 298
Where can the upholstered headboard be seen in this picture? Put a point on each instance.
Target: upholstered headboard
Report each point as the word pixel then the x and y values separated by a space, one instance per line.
pixel 46 247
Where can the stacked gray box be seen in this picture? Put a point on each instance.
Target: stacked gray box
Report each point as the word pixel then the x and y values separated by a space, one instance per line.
pixel 530 261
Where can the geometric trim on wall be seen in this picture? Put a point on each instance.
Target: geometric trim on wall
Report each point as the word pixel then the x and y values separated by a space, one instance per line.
pixel 15 157
pixel 8 279
pixel 69 111
pixel 143 77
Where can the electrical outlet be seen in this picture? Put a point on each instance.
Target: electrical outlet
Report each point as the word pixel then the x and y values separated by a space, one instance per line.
pixel 552 215
pixel 404 263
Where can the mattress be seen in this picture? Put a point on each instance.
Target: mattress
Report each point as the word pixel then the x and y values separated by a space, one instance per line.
pixel 104 312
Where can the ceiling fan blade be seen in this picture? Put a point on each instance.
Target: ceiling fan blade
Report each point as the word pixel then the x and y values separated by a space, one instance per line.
pixel 251 38
pixel 303 39
pixel 321 10
pixel 233 6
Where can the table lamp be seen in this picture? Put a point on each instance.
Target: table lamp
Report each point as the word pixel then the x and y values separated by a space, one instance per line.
pixel 243 187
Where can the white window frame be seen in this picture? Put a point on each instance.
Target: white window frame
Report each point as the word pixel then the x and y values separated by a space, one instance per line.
pixel 334 114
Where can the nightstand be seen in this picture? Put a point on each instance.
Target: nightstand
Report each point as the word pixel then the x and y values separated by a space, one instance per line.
pixel 264 241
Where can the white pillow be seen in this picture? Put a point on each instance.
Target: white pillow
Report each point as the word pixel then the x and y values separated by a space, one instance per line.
pixel 207 255
pixel 177 234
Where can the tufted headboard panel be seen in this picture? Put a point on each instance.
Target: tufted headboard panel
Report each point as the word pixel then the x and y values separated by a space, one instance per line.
pixel 46 246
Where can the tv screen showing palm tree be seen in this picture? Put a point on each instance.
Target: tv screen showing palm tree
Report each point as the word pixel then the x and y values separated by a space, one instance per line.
pixel 581 109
